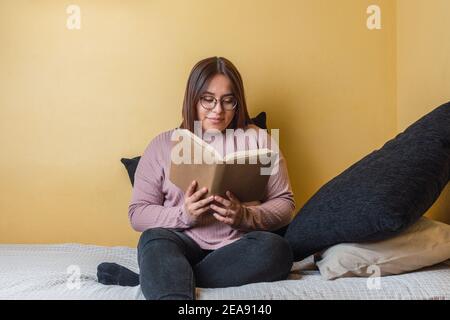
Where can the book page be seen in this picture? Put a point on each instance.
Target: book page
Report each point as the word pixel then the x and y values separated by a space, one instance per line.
pixel 250 155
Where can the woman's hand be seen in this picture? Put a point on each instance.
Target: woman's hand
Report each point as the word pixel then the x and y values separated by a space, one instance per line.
pixel 194 205
pixel 231 212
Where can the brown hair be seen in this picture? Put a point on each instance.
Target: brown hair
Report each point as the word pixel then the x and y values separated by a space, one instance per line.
pixel 198 81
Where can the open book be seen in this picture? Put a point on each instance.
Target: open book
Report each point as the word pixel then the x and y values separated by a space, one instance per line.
pixel 244 173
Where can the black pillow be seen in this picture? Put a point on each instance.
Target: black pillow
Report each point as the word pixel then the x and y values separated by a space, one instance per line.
pixel 260 120
pixel 380 195
pixel 131 164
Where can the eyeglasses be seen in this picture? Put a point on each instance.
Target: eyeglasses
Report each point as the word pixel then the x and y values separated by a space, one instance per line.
pixel 210 102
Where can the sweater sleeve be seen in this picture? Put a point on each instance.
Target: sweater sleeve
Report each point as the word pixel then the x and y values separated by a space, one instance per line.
pixel 277 209
pixel 146 208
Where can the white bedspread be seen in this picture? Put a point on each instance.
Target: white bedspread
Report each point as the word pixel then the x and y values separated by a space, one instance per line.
pixel 68 271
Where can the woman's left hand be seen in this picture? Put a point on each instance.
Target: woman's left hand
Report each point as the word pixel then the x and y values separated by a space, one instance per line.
pixel 231 211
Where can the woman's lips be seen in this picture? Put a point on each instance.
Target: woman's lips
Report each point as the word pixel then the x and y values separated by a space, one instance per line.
pixel 215 120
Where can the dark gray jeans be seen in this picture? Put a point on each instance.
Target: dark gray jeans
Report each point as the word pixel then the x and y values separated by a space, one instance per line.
pixel 171 264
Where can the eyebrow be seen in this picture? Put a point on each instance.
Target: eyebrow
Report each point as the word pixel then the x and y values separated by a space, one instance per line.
pixel 227 94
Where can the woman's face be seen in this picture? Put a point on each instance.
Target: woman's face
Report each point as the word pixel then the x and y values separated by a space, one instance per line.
pixel 217 118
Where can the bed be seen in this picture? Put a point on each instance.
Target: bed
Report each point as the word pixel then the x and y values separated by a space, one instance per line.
pixel 68 271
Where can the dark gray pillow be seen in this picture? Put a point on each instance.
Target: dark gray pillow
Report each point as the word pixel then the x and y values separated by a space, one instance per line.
pixel 380 195
pixel 131 166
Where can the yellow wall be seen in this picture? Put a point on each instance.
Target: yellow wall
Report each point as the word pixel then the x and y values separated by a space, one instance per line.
pixel 73 102
pixel 423 65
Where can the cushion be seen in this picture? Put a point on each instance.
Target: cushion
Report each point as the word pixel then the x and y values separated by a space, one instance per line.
pixel 260 120
pixel 380 195
pixel 425 243
pixel 130 166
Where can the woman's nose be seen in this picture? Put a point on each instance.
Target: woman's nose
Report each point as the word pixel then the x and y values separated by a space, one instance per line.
pixel 218 108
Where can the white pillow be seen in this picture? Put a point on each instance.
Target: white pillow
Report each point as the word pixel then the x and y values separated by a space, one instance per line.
pixel 425 243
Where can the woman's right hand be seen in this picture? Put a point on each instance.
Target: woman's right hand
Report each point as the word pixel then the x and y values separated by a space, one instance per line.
pixel 194 205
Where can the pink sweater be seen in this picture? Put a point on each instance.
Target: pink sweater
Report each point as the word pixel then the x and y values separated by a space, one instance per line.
pixel 157 202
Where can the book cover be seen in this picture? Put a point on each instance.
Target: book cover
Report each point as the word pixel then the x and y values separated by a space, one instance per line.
pixel 240 172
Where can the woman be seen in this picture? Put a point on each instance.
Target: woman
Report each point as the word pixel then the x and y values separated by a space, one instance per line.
pixel 188 240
